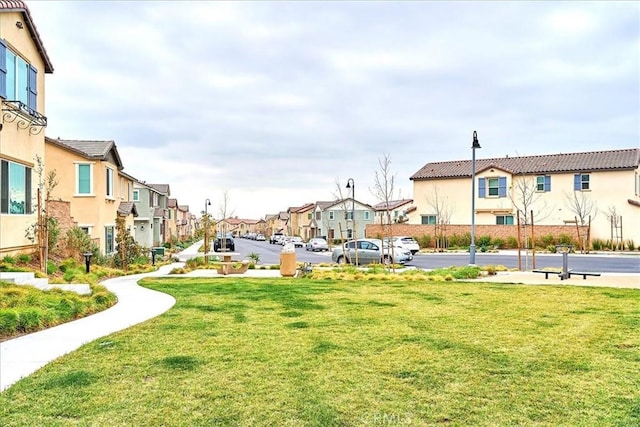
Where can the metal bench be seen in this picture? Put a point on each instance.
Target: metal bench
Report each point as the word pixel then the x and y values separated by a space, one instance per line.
pixel 583 274
pixel 548 272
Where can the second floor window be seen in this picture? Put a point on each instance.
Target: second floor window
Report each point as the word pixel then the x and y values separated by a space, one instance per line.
pixel 331 216
pixel 15 188
pixel 18 79
pixel 84 181
pixel 109 179
pixel 492 187
pixel 367 215
pixel 581 182
pixel 543 183
pixel 136 195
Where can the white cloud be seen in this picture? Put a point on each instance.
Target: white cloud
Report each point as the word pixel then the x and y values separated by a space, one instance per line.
pixel 274 101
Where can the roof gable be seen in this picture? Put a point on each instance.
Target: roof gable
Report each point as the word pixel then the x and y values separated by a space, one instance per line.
pixel 624 159
pixel 20 6
pixel 90 149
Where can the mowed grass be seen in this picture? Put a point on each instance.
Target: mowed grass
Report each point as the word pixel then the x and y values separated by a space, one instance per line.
pixel 298 352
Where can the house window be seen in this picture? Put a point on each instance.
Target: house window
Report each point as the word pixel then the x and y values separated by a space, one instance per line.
pixel 108 239
pixel 136 195
pixel 348 215
pixel 492 187
pixel 86 229
pixel 367 215
pixel 428 219
pixel 84 181
pixel 309 215
pixel 109 178
pixel 581 182
pixel 504 219
pixel 331 216
pixel 15 188
pixel 349 233
pixel 543 183
pixel 318 216
pixel 18 79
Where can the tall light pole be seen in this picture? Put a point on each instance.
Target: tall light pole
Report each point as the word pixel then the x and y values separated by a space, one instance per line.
pixel 352 185
pixel 472 247
pixel 205 223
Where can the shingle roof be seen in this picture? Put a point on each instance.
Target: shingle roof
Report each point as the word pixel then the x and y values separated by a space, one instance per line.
pixel 172 203
pixel 127 208
pixel 160 188
pixel 20 6
pixel 393 204
pixel 89 149
pixel 183 208
pixel 550 163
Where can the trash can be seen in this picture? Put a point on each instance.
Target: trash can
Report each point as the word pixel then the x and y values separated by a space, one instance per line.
pixel 288 261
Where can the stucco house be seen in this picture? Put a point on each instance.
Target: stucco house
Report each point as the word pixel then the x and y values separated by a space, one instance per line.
pixel 23 64
pixel 299 220
pixel 91 177
pixel 151 225
pixel 394 212
pixel 600 188
pixel 334 220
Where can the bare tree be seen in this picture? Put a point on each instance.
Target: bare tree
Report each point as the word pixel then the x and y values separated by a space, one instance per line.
pixel 443 211
pixel 582 206
pixel 526 198
pixel 384 190
pixel 616 227
pixel 384 185
pixel 225 213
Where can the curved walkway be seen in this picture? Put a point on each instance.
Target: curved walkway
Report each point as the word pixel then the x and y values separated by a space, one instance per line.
pixel 24 355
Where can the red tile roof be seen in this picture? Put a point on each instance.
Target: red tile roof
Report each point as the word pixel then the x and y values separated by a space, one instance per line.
pixel 20 6
pixel 624 159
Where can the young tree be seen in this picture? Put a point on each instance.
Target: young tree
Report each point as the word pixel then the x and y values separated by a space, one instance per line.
pixel 443 211
pixel 584 210
pixel 384 190
pixel 225 213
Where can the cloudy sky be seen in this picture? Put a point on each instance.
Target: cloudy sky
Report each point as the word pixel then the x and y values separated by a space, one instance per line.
pixel 275 103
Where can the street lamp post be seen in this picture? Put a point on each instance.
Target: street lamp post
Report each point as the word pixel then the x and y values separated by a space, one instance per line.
pixel 205 223
pixel 472 247
pixel 352 185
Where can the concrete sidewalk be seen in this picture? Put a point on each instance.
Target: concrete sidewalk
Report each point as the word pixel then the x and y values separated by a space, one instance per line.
pixel 24 355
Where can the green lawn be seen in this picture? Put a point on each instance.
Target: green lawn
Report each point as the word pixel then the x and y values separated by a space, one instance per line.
pixel 298 352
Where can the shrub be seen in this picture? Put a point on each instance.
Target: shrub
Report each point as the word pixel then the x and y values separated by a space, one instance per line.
pixel 498 243
pixel 51 267
pixel 552 248
pixel 30 319
pixel 565 239
pixel 483 241
pixel 24 258
pixel 512 242
pixel 254 257
pixel 8 259
pixel 424 241
pixel 631 245
pixel 547 240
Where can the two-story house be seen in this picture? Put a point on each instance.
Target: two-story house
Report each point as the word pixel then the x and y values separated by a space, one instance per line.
pixel 394 212
pixel 184 228
pixel 23 65
pixel 90 177
pixel 151 225
pixel 299 220
pixel 599 188
pixel 335 220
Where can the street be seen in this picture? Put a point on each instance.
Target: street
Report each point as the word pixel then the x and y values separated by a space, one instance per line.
pixel 597 263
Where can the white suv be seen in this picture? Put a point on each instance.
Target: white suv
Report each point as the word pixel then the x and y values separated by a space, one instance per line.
pixel 406 242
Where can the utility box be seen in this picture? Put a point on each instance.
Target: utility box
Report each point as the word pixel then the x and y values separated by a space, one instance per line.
pixel 159 251
pixel 288 264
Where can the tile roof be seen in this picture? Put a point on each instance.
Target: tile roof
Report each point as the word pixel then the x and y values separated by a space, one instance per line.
pixel 623 159
pixel 172 203
pixel 20 6
pixel 183 208
pixel 89 149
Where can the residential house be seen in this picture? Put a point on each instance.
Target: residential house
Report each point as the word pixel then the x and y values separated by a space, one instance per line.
pixel 172 216
pixel 236 226
pixel 23 64
pixel 184 227
pixel 394 212
pixel 276 223
pixel 90 176
pixel 335 220
pixel 298 223
pixel 151 225
pixel 599 187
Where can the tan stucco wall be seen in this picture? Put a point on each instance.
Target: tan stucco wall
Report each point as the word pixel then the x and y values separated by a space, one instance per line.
pixel 18 145
pixel 607 190
pixel 95 211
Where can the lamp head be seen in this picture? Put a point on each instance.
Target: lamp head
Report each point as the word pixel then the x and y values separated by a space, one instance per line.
pixel 476 144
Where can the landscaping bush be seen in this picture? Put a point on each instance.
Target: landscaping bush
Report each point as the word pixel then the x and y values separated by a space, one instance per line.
pixel 547 240
pixel 565 239
pixel 425 241
pixel 512 242
pixel 498 243
pixel 51 267
pixel 483 241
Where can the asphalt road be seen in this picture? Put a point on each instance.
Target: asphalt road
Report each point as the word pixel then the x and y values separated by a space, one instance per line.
pixel 599 263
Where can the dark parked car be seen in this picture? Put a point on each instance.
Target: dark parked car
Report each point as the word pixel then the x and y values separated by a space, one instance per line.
pixel 224 242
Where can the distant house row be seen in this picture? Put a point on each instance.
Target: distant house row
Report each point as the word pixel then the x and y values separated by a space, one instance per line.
pixel 92 188
pixel 598 189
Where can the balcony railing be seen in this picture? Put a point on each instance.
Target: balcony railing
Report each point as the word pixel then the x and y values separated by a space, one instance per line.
pixel 24 116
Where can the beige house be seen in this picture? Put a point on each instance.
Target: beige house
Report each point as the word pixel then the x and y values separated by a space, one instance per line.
pixel 90 177
pixel 237 226
pixel 299 221
pixel 22 93
pixel 601 188
pixel 394 212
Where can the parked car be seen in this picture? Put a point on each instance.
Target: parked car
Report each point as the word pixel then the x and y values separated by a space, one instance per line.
pixel 296 241
pixel 224 242
pixel 406 242
pixel 260 237
pixel 275 237
pixel 317 244
pixel 370 251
